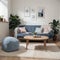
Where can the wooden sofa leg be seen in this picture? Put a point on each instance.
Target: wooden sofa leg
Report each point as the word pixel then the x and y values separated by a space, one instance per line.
pixel 47 41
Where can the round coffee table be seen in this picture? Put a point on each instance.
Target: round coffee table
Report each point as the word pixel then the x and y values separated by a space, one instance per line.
pixel 42 38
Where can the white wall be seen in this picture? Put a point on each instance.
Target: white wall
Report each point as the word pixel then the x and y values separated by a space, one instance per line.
pixel 9 7
pixel 51 10
pixel 4 31
pixel 59 11
pixel 4 8
pixel 4 27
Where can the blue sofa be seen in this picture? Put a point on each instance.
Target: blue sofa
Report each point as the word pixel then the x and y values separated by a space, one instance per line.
pixel 30 30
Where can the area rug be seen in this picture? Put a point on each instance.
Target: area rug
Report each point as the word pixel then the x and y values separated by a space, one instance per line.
pixel 35 51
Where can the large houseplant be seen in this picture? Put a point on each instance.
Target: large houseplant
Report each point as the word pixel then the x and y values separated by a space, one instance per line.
pixel 14 21
pixel 55 25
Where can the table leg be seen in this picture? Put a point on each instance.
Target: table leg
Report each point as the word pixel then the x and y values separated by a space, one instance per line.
pixel 45 43
pixel 27 42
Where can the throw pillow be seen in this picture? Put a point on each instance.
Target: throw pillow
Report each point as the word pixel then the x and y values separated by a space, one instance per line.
pixel 22 29
pixel 38 30
pixel 46 28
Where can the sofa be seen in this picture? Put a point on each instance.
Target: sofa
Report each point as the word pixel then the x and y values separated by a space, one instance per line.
pixel 30 29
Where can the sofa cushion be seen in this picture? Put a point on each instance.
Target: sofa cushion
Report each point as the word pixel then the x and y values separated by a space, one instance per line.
pixel 38 30
pixel 23 34
pixel 22 30
pixel 46 28
pixel 30 28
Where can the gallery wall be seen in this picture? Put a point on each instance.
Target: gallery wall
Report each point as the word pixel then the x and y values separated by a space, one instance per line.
pixel 50 7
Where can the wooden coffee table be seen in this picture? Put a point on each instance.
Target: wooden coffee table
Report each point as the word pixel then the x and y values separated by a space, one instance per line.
pixel 42 38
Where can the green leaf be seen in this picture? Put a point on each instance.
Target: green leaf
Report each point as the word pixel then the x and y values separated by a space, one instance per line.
pixel 55 25
pixel 14 21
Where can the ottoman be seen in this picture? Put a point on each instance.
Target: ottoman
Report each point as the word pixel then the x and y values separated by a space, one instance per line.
pixel 10 44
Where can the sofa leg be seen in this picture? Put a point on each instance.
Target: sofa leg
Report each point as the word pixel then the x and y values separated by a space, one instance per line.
pixel 55 38
pixel 47 41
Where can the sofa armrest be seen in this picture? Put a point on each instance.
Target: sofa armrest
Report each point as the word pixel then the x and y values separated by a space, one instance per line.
pixel 51 34
pixel 16 32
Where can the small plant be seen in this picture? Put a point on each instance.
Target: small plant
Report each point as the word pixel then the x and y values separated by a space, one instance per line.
pixel 35 33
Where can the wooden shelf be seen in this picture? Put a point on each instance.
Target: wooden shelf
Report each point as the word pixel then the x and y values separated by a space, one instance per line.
pixel 4 22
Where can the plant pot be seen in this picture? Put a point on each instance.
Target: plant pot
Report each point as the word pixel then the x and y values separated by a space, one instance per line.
pixel 35 36
pixel 1 19
pixel 11 32
pixel 55 37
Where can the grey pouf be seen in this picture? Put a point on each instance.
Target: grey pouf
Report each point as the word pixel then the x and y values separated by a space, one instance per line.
pixel 10 44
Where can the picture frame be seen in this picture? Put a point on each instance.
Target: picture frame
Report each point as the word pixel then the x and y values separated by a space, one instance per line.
pixel 40 12
pixel 33 14
pixel 27 12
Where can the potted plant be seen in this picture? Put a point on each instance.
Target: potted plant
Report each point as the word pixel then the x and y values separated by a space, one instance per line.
pixel 55 25
pixel 35 34
pixel 14 21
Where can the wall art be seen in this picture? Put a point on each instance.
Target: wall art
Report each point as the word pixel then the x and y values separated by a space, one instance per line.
pixel 26 12
pixel 41 12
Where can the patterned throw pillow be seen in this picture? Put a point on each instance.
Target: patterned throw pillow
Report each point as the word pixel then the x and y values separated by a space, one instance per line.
pixel 22 30
pixel 46 28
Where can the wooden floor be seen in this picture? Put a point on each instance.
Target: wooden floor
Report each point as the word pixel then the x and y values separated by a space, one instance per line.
pixel 18 58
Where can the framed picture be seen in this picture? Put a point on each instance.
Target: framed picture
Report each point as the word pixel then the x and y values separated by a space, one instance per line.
pixel 41 12
pixel 26 12
pixel 33 14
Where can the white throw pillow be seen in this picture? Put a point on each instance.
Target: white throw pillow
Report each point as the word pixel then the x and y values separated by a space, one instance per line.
pixel 22 29
pixel 47 28
pixel 38 30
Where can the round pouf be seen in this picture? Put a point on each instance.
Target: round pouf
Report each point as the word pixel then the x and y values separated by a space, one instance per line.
pixel 10 44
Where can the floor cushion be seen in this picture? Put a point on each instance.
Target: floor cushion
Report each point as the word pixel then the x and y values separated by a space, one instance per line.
pixel 10 44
